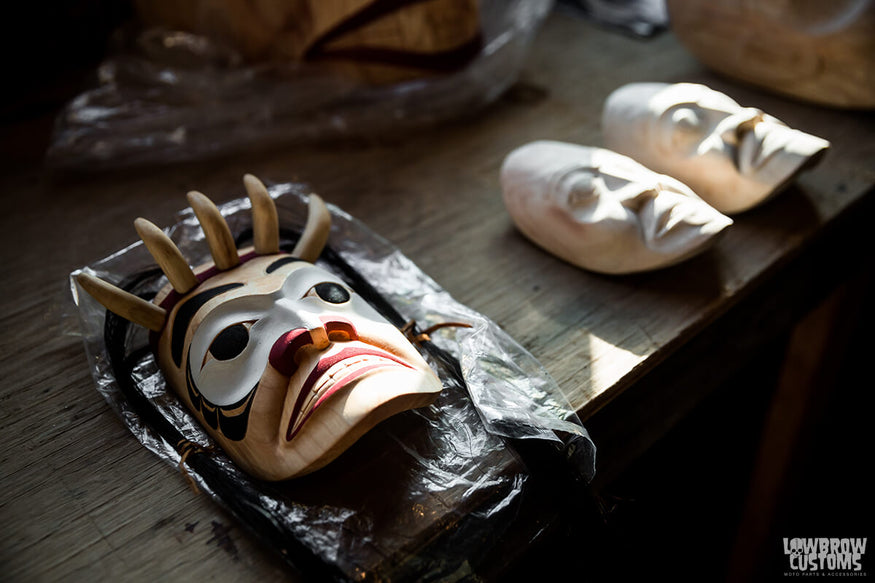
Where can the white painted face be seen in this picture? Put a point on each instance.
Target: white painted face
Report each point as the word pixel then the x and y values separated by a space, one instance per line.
pixel 732 157
pixel 286 365
pixel 603 211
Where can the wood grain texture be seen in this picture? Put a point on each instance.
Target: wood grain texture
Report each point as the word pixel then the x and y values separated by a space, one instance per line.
pixel 822 52
pixel 81 499
pixel 375 42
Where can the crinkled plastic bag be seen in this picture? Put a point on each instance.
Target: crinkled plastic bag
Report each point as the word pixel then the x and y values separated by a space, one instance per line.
pixel 177 96
pixel 424 493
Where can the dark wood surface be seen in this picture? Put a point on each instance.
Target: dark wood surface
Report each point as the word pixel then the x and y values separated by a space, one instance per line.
pixel 81 499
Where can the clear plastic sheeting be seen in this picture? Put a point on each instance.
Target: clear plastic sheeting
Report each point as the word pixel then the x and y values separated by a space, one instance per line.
pixel 425 495
pixel 175 96
pixel 644 18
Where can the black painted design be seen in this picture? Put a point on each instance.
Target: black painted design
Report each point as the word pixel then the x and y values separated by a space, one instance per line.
pixel 232 426
pixel 184 315
pixel 280 262
pixel 446 60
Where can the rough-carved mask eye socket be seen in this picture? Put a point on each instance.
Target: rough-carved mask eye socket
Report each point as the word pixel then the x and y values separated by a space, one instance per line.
pixel 330 292
pixel 580 196
pixel 230 342
pixel 582 186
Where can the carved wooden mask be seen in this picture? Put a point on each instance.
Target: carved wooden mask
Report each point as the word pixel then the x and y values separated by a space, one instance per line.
pixel 603 211
pixel 281 362
pixel 733 157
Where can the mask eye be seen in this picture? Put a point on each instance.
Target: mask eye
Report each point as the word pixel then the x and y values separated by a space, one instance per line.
pixel 330 292
pixel 578 197
pixel 230 342
pixel 582 188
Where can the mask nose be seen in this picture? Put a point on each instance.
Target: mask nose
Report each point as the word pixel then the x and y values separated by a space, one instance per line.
pixel 636 202
pixel 733 128
pixel 284 352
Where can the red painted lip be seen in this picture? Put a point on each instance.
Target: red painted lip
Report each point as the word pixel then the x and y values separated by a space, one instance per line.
pixel 322 366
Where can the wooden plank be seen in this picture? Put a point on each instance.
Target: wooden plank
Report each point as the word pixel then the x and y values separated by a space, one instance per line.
pixel 816 347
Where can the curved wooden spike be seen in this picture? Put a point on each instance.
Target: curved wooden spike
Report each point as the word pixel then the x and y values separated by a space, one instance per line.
pixel 315 234
pixel 167 256
pixel 216 231
pixel 126 305
pixel 265 223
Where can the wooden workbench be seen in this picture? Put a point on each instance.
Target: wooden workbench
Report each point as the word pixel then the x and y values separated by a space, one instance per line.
pixel 82 500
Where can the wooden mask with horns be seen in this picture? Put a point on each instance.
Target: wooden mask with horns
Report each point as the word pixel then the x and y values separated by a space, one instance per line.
pixel 281 362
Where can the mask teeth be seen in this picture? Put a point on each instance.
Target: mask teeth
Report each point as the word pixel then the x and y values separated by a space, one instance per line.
pixel 222 248
pixel 126 305
pixel 167 256
pixel 216 231
pixel 316 231
pixel 265 222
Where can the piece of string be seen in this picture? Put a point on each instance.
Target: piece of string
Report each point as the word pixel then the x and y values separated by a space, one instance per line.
pixel 425 335
pixel 185 448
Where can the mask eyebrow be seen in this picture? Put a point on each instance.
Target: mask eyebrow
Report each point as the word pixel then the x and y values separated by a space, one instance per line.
pixel 280 262
pixel 186 312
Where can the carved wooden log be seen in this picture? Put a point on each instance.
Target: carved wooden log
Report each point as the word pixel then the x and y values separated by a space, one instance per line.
pixel 374 40
pixel 813 50
pixel 251 27
pixel 388 40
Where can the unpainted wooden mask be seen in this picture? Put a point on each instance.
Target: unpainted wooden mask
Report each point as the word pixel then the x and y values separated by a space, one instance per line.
pixel 733 157
pixel 603 211
pixel 281 362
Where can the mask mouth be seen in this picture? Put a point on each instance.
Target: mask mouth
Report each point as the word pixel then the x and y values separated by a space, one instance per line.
pixel 337 368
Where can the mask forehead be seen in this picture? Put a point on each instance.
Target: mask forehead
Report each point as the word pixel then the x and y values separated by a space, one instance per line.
pixel 691 95
pixel 621 169
pixel 259 275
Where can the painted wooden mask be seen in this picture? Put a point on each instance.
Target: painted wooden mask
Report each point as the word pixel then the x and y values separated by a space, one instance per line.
pixel 281 362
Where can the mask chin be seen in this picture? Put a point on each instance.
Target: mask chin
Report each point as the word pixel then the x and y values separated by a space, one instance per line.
pixel 341 419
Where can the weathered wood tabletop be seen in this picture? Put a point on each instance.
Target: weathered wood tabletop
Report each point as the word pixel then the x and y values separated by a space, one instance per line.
pixel 83 500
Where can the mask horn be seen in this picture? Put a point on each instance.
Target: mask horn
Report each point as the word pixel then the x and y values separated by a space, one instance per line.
pixel 126 305
pixel 316 231
pixel 265 223
pixel 167 256
pixel 216 231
